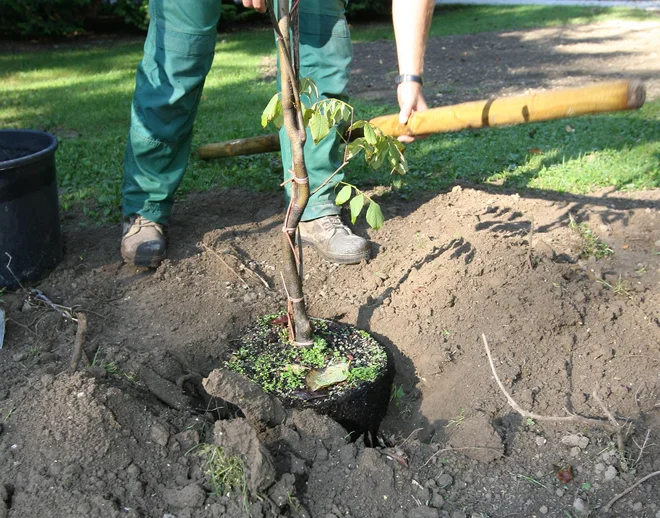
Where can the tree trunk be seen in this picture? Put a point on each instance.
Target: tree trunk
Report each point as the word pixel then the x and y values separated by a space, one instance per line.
pixel 295 129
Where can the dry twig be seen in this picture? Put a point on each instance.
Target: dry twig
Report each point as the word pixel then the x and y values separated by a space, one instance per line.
pixel 642 447
pixel 445 450
pixel 537 417
pixel 621 495
pixel 530 245
pixel 217 255
pixel 79 342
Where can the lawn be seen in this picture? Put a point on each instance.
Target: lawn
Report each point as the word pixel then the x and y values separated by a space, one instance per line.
pixel 83 93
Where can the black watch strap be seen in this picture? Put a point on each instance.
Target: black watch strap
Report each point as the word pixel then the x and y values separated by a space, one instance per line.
pixel 404 78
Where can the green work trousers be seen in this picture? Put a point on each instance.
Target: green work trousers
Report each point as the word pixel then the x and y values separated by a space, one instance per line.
pixel 178 53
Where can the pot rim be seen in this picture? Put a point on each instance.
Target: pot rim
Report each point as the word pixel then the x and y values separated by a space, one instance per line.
pixel 33 157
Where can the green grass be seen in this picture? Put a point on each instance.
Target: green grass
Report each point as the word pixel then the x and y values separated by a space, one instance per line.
pixel 86 90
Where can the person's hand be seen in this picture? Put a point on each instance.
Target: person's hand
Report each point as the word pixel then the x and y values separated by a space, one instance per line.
pixel 411 100
pixel 259 5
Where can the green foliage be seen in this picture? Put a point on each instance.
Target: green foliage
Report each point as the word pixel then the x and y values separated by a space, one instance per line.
pixel 396 395
pixel 379 149
pixel 325 115
pixel 591 243
pixel 282 368
pixel 363 374
pixel 225 472
pixel 368 9
pixel 134 12
pixel 374 216
pixel 87 89
pixel 273 112
pixel 38 18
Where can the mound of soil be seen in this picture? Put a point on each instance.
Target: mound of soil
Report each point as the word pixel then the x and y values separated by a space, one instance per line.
pixel 118 437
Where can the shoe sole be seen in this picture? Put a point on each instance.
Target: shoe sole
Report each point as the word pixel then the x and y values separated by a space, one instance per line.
pixel 338 258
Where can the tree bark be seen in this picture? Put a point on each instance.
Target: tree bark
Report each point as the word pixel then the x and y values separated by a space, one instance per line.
pixel 295 129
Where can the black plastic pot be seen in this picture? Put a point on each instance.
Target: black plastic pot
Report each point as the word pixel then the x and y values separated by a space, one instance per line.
pixel 29 209
pixel 359 408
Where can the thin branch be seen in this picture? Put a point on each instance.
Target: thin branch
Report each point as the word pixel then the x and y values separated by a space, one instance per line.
pixel 23 326
pixel 621 495
pixel 450 449
pixel 79 342
pixel 530 246
pixel 537 417
pixel 10 271
pixel 327 181
pixel 410 436
pixel 216 254
pixel 617 427
pixel 642 447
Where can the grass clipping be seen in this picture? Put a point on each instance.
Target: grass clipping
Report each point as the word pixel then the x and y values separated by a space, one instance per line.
pixel 341 357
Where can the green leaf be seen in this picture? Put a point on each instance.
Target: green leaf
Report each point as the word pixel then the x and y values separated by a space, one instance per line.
pixel 356 207
pixel 370 134
pixel 307 115
pixel 375 216
pixel 358 125
pixel 354 148
pixel 272 110
pixel 343 195
pixel 319 126
pixel 331 375
pixel 308 87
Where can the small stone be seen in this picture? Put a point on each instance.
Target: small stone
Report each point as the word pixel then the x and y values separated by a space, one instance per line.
pixel 657 244
pixel 611 473
pixel 657 515
pixel 543 509
pixel 424 512
pixel 159 434
pixel 637 506
pixel 559 493
pixel 444 480
pixel 458 514
pixel 190 496
pixel 571 440
pixel 437 501
pixel 599 468
pixel 575 451
pixel 540 441
pixel 583 442
pixel 458 188
pixel 579 505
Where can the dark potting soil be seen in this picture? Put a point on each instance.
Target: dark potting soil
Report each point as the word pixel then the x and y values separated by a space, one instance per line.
pixel 266 356
pixel 360 374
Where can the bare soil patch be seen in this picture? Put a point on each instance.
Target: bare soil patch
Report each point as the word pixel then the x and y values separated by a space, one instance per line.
pixel 113 439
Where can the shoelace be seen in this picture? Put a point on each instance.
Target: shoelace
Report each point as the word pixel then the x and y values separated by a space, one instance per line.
pixel 333 223
pixel 143 222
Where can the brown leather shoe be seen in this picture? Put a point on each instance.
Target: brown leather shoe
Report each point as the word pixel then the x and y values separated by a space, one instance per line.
pixel 334 240
pixel 143 242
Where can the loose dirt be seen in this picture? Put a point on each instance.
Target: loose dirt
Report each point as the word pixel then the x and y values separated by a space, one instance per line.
pixel 118 438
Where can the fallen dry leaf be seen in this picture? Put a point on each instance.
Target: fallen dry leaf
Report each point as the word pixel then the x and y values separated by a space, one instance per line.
pixel 320 378
pixel 565 475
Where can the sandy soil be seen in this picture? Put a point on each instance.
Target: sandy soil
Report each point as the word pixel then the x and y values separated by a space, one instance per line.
pixel 114 439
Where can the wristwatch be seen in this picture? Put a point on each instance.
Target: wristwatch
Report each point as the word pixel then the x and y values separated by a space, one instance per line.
pixel 404 78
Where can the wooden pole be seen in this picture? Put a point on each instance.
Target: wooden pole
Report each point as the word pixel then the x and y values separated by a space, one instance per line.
pixel 505 111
